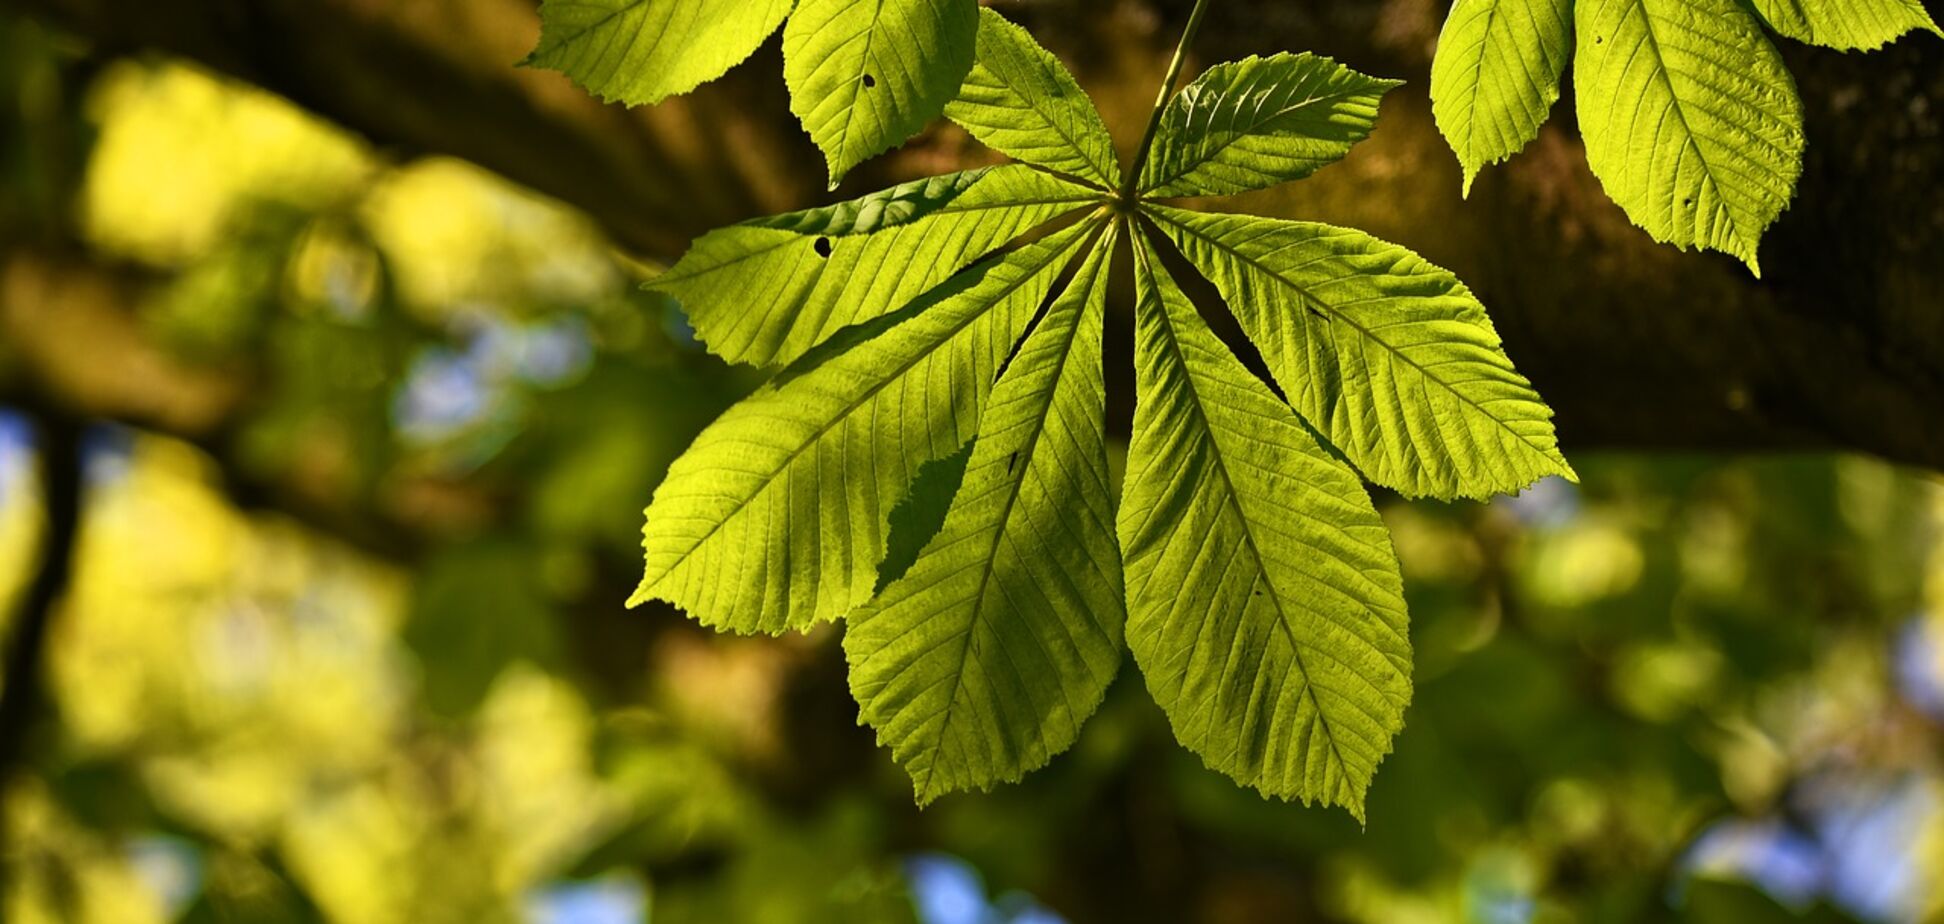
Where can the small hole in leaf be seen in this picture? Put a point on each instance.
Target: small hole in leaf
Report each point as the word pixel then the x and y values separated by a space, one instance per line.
pixel 823 247
pixel 869 81
pixel 1686 201
pixel 1597 40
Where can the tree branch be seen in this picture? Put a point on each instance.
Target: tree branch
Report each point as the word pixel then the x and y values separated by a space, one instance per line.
pixel 1636 345
pixel 22 698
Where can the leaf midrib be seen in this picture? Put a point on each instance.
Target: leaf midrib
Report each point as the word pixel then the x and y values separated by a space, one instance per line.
pixel 1238 136
pixel 855 88
pixel 1033 103
pixel 1365 332
pixel 1053 256
pixel 1079 200
pixel 1664 73
pixel 991 558
pixel 1248 532
pixel 1478 77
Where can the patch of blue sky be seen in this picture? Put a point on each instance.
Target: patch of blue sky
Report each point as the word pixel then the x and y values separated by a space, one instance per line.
pixel 548 353
pixel 16 452
pixel 1786 863
pixel 170 867
pixel 107 452
pixel 1550 503
pixel 947 890
pixel 443 394
pixel 1857 848
pixel 611 899
pixel 1917 656
pixel 1870 837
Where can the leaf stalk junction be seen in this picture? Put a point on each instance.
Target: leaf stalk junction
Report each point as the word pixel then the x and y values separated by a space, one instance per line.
pixel 1132 181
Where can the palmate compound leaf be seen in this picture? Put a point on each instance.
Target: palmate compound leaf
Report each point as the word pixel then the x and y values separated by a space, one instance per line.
pixel 982 662
pixel 1264 602
pixel 1259 590
pixel 1388 356
pixel 775 518
pixel 1690 120
pixel 1496 75
pixel 1020 100
pixel 766 291
pixel 1257 122
pixel 864 75
pixel 644 51
pixel 1846 24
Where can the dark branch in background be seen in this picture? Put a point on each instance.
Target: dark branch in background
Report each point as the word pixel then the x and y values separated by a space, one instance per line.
pixel 1636 345
pixel 439 78
pixel 392 542
pixel 23 696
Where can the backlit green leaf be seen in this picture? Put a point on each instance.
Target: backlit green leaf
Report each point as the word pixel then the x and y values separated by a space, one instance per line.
pixel 1496 75
pixel 1691 122
pixel 1846 24
pixel 1264 602
pixel 982 662
pixel 766 291
pixel 775 518
pixel 643 51
pixel 1257 122
pixel 1390 357
pixel 908 470
pixel 1019 99
pixel 865 75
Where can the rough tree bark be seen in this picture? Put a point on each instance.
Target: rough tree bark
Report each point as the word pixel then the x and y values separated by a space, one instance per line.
pixel 1636 345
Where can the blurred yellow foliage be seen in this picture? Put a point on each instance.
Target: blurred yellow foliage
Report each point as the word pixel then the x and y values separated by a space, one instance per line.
pixel 72 875
pixel 1589 560
pixel 181 154
pixel 19 525
pixel 461 237
pixel 254 675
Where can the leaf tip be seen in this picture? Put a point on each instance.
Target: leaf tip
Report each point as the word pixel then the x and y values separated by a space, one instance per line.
pixel 841 159
pixel 925 788
pixel 839 166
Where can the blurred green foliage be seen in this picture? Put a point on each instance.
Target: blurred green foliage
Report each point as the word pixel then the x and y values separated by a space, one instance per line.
pixel 400 687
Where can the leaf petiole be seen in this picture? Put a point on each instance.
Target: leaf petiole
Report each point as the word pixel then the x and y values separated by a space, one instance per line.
pixel 1133 178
